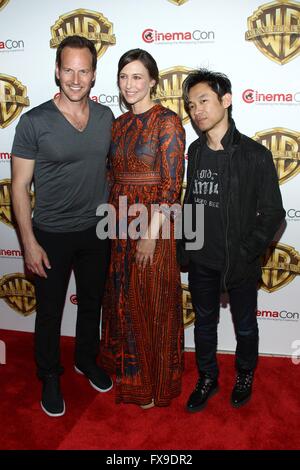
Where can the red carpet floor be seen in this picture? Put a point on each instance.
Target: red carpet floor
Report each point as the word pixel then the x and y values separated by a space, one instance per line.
pixel 93 421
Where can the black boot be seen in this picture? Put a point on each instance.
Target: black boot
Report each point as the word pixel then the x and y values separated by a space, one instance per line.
pixel 98 378
pixel 52 402
pixel 242 390
pixel 206 387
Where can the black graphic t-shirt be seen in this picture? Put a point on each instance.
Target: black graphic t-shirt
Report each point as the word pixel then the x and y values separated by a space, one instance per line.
pixel 206 190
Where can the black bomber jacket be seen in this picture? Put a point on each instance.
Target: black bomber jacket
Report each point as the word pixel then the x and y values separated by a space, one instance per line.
pixel 251 203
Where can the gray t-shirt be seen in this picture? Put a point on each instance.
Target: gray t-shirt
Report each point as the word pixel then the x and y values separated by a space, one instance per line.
pixel 70 168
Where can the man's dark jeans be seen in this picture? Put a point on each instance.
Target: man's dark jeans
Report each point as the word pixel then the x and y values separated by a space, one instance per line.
pixel 205 288
pixel 89 257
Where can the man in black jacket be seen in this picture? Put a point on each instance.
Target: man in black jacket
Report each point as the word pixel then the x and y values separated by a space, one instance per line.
pixel 234 178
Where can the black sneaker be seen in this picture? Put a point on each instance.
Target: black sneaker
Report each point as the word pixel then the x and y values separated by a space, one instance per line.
pixel 205 388
pixel 98 378
pixel 242 390
pixel 52 401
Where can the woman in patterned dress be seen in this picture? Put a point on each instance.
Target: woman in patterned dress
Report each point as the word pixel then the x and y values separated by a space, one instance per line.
pixel 142 322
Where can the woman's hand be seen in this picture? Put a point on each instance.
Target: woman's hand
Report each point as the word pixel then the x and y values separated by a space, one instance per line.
pixel 145 252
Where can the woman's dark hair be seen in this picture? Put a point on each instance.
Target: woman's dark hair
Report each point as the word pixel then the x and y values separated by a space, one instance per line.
pixel 76 42
pixel 218 82
pixel 149 63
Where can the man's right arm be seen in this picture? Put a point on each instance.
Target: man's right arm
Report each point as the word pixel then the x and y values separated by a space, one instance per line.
pixel 22 174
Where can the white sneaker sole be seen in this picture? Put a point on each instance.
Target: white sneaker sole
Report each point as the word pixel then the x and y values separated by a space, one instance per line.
pixel 92 384
pixel 53 415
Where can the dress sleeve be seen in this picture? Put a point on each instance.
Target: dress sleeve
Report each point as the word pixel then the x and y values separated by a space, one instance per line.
pixel 112 151
pixel 172 145
pixel 109 172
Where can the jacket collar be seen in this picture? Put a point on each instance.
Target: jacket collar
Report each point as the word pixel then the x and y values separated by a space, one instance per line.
pixel 230 139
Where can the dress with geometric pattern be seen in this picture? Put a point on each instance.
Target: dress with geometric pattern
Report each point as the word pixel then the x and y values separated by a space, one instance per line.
pixel 142 320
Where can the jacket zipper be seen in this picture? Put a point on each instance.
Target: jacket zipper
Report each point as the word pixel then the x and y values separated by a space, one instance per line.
pixel 227 225
pixel 192 176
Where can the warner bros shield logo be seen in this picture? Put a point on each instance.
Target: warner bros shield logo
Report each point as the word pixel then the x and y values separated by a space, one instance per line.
pixel 285 147
pixel 12 99
pixel 169 90
pixel 281 265
pixel 188 312
pixel 3 3
pixel 18 293
pixel 90 24
pixel 274 28
pixel 178 2
pixel 6 214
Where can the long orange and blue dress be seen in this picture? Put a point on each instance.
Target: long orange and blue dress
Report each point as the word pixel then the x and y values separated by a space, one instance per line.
pixel 142 321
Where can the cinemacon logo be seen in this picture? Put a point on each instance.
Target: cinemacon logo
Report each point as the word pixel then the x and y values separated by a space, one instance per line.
pixel 7 253
pixel 293 214
pixel 254 96
pixel 11 44
pixel 150 35
pixel 276 315
pixel 110 100
pixel 5 156
pixel 106 99
pixel 73 299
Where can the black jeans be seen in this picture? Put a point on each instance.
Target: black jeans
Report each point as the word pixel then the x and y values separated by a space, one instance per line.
pixel 205 288
pixel 89 257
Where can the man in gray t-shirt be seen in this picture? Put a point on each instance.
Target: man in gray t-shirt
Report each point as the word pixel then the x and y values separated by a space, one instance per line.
pixel 62 145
